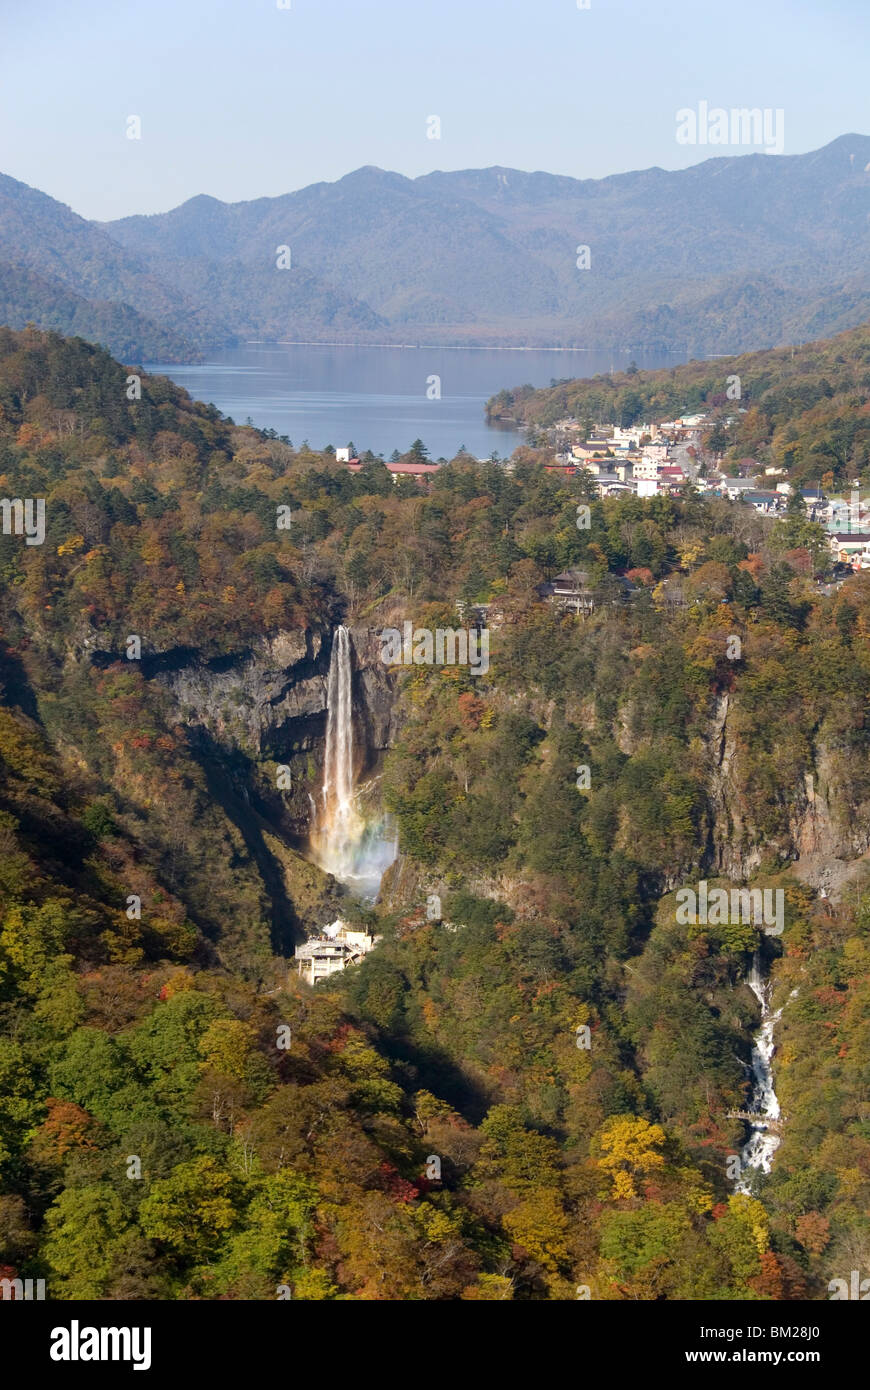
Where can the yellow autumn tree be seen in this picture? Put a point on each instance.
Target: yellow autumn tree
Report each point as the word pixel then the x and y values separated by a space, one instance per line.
pixel 741 1235
pixel 489 1288
pixel 540 1225
pixel 226 1046
pixel 627 1148
pixel 70 546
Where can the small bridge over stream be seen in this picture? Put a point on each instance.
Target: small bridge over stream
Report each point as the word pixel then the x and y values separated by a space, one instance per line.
pixel 753 1118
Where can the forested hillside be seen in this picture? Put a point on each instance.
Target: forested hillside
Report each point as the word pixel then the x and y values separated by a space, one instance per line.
pixel 732 253
pixel 550 1033
pixel 30 298
pixel 715 258
pixel 803 409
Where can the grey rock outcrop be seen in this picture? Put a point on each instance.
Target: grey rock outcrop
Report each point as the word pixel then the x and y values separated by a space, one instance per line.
pixel 826 824
pixel 270 700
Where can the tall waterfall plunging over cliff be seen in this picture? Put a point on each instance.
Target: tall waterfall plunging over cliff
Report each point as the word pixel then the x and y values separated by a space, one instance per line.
pixel 339 813
pixel 343 843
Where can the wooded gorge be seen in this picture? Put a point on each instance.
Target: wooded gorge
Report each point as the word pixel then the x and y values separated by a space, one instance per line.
pixel 566 1170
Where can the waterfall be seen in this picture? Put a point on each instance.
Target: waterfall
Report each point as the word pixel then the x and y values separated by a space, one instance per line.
pixel 338 769
pixel 763 1141
pixel 339 825
pixel 342 843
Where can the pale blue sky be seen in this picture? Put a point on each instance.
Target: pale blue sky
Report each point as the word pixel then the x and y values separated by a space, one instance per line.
pixel 241 99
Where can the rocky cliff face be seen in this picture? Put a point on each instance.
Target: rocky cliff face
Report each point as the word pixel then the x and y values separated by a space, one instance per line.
pixel 826 832
pixel 823 834
pixel 733 851
pixel 269 701
pixel 238 827
pixel 375 693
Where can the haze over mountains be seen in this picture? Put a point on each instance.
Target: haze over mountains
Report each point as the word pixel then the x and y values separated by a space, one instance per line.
pixel 728 255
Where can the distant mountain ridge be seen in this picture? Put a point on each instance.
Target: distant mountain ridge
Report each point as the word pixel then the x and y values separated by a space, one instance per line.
pixel 727 255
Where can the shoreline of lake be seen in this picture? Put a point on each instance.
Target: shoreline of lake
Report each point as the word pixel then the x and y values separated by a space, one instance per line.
pixel 382 400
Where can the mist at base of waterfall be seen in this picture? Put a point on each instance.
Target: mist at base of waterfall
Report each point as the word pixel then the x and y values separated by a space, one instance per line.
pixel 358 858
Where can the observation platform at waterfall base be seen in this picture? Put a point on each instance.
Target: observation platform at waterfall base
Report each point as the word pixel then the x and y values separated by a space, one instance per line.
pixel 335 949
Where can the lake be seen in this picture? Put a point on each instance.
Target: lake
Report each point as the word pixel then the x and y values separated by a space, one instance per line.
pixel 382 398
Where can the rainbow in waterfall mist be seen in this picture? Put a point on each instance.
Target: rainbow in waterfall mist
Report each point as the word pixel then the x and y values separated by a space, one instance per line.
pixel 344 842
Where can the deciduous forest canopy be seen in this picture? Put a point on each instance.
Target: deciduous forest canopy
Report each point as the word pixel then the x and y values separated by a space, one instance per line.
pixel 563 1167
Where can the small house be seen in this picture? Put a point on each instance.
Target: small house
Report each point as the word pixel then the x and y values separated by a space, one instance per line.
pixel 573 591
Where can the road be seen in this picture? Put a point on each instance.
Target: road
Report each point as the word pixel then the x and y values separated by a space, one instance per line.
pixel 680 455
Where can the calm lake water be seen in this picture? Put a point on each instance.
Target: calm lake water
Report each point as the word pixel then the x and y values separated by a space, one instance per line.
pixel 377 398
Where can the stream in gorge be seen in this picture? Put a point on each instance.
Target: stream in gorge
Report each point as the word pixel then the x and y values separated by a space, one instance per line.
pixel 764 1139
pixel 356 843
pixel 348 840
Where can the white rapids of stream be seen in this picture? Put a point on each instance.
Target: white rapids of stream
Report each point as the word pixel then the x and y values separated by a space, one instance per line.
pixel 763 1141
